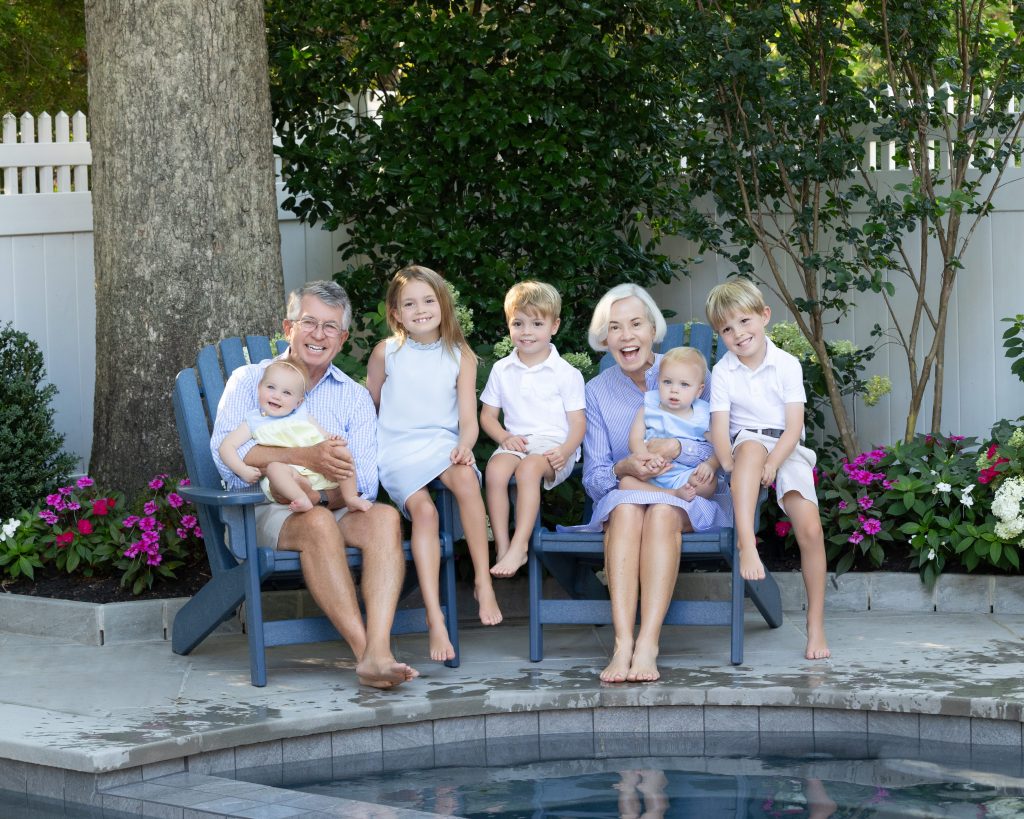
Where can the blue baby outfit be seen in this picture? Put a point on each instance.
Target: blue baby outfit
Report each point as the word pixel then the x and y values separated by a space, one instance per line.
pixel 660 423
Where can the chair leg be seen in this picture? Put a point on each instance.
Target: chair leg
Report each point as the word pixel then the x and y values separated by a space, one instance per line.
pixel 536 627
pixel 736 653
pixel 214 603
pixel 451 612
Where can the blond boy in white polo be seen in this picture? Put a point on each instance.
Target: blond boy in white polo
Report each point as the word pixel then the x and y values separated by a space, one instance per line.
pixel 539 437
pixel 757 425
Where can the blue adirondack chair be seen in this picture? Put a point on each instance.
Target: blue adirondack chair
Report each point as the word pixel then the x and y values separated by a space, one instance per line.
pixel 573 557
pixel 238 564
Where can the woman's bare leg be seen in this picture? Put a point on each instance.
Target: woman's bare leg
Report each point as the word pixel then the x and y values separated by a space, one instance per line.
pixel 622 567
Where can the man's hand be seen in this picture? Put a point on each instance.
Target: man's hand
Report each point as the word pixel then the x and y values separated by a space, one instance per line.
pixel 515 443
pixel 332 459
pixel 666 448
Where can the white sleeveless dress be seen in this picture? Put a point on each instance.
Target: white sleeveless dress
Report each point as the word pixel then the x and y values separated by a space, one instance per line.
pixel 418 423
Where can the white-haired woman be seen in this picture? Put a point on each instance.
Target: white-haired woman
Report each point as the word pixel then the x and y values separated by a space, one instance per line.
pixel 642 528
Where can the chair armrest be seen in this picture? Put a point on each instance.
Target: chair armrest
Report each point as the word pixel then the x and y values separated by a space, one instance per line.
pixel 221 497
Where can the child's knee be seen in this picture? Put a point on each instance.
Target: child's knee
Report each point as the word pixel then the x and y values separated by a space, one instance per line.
pixel 422 512
pixel 532 467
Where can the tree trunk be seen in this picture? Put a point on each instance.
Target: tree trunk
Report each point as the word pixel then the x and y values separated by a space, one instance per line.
pixel 187 247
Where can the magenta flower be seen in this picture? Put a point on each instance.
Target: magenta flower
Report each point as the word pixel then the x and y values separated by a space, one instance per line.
pixel 49 517
pixel 65 539
pixel 150 537
pixel 887 484
pixel 156 483
pixel 184 482
pixel 84 527
pixel 147 524
pixel 855 538
pixel 956 437
pixel 84 482
pixel 783 528
pixel 182 533
pixel 198 532
pixel 54 499
pixel 872 526
pixel 865 503
pixel 175 500
pixel 842 505
pixel 130 521
pixel 189 521
pixel 150 507
pixel 74 506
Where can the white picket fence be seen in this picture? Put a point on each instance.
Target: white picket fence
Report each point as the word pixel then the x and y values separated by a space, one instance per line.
pixel 46 278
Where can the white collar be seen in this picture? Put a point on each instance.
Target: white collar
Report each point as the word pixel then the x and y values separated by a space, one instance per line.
pixel 552 359
pixel 771 357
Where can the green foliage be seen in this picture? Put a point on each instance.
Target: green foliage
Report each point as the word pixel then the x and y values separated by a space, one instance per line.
pixel 491 143
pixel 1013 344
pixel 20 553
pixel 42 56
pixel 31 451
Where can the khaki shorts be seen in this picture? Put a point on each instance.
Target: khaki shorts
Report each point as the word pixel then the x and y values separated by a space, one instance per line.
pixel 538 445
pixel 270 518
pixel 796 473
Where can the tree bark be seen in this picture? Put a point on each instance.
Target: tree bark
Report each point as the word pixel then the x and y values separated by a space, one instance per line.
pixel 187 246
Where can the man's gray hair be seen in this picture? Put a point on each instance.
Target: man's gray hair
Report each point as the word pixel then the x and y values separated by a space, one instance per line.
pixel 598 335
pixel 330 293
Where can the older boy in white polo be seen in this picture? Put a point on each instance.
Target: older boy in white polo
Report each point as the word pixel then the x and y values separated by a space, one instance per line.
pixel 541 396
pixel 757 424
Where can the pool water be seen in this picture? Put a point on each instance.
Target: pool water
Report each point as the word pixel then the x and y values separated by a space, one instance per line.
pixel 886 780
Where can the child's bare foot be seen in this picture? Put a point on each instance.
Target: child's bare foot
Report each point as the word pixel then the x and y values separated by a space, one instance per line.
pixel 301 504
pixel 384 673
pixel 490 613
pixel 751 567
pixel 358 504
pixel 687 492
pixel 644 665
pixel 616 670
pixel 441 647
pixel 511 562
pixel 817 645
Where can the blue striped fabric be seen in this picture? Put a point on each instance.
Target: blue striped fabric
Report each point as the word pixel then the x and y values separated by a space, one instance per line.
pixel 340 405
pixel 612 403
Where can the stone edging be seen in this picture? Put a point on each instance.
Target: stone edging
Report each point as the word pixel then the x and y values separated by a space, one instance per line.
pixel 111 623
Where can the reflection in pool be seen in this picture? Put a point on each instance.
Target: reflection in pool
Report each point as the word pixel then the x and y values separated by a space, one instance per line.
pixel 845 777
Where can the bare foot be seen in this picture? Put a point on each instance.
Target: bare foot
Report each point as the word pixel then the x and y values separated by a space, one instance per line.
pixel 386 673
pixel 490 614
pixel 687 492
pixel 616 670
pixel 644 665
pixel 511 562
pixel 301 504
pixel 751 567
pixel 441 647
pixel 817 645
pixel 358 504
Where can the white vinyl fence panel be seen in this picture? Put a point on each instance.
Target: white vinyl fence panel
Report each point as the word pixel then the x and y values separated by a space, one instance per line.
pixel 46 284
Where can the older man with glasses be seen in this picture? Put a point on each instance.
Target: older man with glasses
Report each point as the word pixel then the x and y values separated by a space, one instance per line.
pixel 319 315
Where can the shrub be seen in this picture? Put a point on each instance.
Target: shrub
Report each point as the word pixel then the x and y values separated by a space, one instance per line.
pixel 31 451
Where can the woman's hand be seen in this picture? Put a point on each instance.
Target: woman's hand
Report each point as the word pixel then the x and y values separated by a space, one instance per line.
pixel 642 466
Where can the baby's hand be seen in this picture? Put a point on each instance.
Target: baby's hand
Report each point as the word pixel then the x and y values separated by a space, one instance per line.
pixel 250 474
pixel 463 455
pixel 768 474
pixel 702 474
pixel 338 438
pixel 555 458
pixel 515 443
pixel 654 464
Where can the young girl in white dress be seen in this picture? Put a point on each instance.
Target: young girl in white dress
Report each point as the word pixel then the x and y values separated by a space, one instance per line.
pixel 423 381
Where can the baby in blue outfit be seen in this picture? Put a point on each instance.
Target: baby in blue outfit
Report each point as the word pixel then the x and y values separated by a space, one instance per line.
pixel 674 411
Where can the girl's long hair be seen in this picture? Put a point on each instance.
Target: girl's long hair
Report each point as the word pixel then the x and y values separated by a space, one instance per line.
pixel 451 333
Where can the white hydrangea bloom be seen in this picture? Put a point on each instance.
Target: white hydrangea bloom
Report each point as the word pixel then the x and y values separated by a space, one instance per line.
pixel 942 486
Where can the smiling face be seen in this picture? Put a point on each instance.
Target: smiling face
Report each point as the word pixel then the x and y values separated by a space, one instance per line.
pixel 744 335
pixel 631 338
pixel 419 311
pixel 281 390
pixel 679 384
pixel 531 333
pixel 317 345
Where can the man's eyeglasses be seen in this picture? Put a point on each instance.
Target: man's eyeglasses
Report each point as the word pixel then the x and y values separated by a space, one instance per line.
pixel 309 325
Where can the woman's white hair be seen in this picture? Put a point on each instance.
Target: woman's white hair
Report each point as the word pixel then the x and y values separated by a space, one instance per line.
pixel 598 335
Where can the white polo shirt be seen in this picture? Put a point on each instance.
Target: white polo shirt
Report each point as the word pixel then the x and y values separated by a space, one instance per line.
pixel 756 399
pixel 535 399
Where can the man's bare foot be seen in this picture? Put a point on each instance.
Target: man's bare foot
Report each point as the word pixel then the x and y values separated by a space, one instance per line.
pixel 441 647
pixel 490 614
pixel 386 673
pixel 616 670
pixel 817 645
pixel 358 504
pixel 751 567
pixel 301 504
pixel 687 492
pixel 644 665
pixel 511 562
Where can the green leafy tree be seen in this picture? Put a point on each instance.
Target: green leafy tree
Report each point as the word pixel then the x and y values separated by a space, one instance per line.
pixel 492 143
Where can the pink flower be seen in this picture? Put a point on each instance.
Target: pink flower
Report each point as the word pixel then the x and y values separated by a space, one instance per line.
pixel 130 521
pixel 182 533
pixel 150 507
pixel 74 506
pixel 783 528
pixel 189 521
pixel 66 490
pixel 855 538
pixel 956 437
pixel 154 560
pixel 198 532
pixel 184 482
pixel 64 540
pixel 111 503
pixel 872 526
pixel 54 499
pixel 84 527
pixel 100 507
pixel 842 505
pixel 156 483
pixel 175 500
pixel 84 481
pixel 147 524
pixel 865 503
pixel 49 517
pixel 887 484
pixel 149 538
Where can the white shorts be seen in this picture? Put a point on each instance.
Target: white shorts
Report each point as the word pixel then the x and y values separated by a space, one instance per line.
pixel 538 445
pixel 796 473
pixel 270 518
